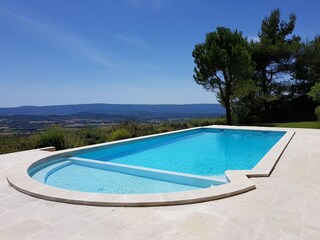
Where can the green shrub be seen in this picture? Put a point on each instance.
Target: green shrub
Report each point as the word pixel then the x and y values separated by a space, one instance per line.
pixel 172 125
pixel 163 129
pixel 202 122
pixel 145 129
pixel 87 136
pixel 220 121
pixel 13 143
pixel 130 125
pixel 317 112
pixel 53 136
pixel 119 134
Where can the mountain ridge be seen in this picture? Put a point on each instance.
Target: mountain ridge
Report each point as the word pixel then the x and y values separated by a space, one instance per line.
pixel 118 109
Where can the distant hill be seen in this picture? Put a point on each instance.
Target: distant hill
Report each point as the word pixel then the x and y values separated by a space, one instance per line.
pixel 144 111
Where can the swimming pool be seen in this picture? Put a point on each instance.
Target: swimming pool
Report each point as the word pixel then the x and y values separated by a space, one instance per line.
pixel 175 162
pixel 100 175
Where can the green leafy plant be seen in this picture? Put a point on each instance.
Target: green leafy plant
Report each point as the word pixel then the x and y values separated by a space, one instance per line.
pixel 317 112
pixel 53 136
pixel 119 134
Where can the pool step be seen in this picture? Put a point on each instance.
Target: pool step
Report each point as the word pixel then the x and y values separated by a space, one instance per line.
pixel 168 176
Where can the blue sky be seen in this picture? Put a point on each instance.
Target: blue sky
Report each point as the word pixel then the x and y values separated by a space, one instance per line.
pixel 122 51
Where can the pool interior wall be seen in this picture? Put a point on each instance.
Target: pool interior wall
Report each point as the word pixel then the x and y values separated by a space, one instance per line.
pixel 202 153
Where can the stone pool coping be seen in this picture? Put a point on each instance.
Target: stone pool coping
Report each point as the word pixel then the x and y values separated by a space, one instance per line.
pixel 239 181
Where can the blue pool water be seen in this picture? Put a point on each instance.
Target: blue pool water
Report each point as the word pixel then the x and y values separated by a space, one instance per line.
pixel 86 179
pixel 203 152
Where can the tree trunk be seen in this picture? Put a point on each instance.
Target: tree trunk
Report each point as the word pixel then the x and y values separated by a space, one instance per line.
pixel 267 110
pixel 266 103
pixel 228 112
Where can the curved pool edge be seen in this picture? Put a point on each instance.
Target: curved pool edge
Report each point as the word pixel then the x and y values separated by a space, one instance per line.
pixel 239 181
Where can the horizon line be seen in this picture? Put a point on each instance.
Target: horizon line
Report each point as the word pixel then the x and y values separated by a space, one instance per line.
pixel 101 103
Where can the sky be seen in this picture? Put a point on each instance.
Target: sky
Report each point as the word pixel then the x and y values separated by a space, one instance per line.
pixel 56 52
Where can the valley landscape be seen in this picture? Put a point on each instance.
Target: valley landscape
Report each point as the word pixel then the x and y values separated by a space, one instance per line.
pixel 30 119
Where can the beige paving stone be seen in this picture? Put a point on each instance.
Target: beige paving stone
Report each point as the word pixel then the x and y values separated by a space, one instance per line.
pixel 55 215
pixel 112 227
pixel 289 220
pixel 10 218
pixel 239 225
pixel 283 206
pixel 13 203
pixel 22 229
pixel 181 235
pixel 215 210
pixel 102 231
pixel 134 214
pixel 153 228
pixel 78 237
pixel 200 225
pixel 310 233
pixel 289 201
pixel 69 227
pixel 273 232
pixel 311 215
pixel 95 214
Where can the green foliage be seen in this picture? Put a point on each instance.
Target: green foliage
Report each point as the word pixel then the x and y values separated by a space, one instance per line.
pixel 205 122
pixel 174 125
pixel 315 125
pixel 13 143
pixel 317 113
pixel 223 63
pixel 119 134
pixel 164 128
pixel 273 30
pixel 315 92
pixel 307 65
pixel 274 55
pixel 53 136
pixel 87 136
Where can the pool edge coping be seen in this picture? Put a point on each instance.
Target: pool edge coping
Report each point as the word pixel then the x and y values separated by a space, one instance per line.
pixel 240 182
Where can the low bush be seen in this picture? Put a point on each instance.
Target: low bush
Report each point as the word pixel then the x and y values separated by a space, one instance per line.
pixel 317 112
pixel 14 143
pixel 220 121
pixel 53 136
pixel 204 122
pixel 119 134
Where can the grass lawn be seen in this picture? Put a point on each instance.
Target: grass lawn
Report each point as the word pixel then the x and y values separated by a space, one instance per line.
pixel 315 124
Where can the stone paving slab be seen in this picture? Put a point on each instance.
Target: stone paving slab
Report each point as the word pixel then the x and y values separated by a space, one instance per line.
pixel 285 205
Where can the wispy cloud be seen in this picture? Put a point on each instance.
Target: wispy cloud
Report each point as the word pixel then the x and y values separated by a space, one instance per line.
pixel 128 39
pixel 78 45
pixel 156 4
pixel 65 39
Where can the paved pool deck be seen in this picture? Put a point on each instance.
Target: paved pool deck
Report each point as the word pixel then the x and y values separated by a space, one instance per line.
pixel 285 205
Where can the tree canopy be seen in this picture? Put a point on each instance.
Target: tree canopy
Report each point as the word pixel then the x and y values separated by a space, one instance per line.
pixel 274 78
pixel 273 55
pixel 223 64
